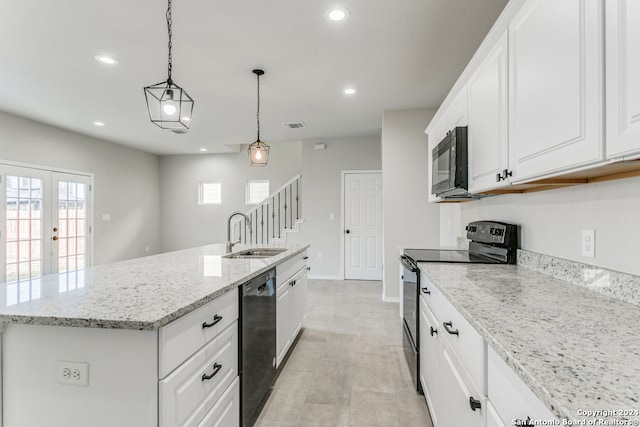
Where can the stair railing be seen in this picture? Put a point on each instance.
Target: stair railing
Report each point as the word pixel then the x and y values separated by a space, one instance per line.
pixel 270 219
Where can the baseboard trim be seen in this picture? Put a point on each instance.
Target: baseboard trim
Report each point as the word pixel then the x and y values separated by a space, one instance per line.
pixel 390 299
pixel 322 277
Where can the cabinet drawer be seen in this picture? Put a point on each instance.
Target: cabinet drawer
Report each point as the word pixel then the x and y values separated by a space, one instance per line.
pixel 186 335
pixel 226 413
pixel 288 268
pixel 187 394
pixel 510 396
pixel 465 341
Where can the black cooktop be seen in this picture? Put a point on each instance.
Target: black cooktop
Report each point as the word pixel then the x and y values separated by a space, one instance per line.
pixel 445 255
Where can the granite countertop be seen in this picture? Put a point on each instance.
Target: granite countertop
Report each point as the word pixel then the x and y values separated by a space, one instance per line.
pixel 143 293
pixel 576 349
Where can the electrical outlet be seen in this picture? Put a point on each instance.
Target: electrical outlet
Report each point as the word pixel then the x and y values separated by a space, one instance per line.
pixel 589 243
pixel 73 373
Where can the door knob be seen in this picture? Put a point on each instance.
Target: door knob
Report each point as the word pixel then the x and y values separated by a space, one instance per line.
pixel 55 229
pixel 347 231
pixel 55 237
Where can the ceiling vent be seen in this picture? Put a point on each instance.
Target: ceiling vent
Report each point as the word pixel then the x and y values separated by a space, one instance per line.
pixel 296 125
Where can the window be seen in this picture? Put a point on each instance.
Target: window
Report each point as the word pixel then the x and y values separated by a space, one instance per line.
pixel 257 191
pixel 210 193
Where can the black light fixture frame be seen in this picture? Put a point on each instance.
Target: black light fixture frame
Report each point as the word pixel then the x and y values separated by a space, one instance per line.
pixel 170 106
pixel 258 151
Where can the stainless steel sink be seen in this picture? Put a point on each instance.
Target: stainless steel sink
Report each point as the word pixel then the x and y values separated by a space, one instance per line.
pixel 256 253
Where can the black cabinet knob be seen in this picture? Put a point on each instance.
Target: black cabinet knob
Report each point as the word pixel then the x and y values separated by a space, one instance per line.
pixel 347 231
pixel 433 331
pixel 474 404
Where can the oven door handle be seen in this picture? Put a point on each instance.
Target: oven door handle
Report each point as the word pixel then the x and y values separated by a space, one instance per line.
pixel 406 262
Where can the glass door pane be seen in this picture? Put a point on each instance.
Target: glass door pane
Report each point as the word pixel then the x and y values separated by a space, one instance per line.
pixel 71 227
pixel 24 219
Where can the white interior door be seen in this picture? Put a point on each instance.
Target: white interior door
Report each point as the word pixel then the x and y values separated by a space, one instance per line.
pixel 44 227
pixel 363 226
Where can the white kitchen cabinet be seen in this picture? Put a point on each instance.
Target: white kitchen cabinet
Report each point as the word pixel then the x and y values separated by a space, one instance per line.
pixel 132 377
pixel 291 303
pixel 509 395
pixel 225 412
pixel 488 120
pixel 493 419
pixel 461 404
pixel 623 78
pixel 452 367
pixel 555 87
pixel 429 351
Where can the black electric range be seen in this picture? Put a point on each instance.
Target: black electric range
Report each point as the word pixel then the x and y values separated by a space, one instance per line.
pixel 490 242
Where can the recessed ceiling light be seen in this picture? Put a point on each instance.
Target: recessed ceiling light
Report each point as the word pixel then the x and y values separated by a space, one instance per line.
pixel 106 59
pixel 337 15
pixel 349 91
pixel 98 123
pixel 203 149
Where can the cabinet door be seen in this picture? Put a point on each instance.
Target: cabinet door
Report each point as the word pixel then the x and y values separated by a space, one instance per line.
pixel 455 392
pixel 555 87
pixel 429 346
pixel 623 77
pixel 283 328
pixel 488 125
pixel 493 419
pixel 298 302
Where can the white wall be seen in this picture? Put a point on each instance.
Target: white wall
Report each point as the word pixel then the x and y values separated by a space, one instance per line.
pixel 184 223
pixel 126 182
pixel 321 181
pixel 409 220
pixel 552 221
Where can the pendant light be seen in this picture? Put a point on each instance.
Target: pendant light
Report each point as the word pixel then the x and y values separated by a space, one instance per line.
pixel 258 151
pixel 169 105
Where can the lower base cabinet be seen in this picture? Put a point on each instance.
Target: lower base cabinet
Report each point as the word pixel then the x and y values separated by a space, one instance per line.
pixel 493 419
pixel 225 412
pixel 291 303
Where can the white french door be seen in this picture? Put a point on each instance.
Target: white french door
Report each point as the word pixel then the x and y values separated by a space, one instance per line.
pixel 363 226
pixel 45 225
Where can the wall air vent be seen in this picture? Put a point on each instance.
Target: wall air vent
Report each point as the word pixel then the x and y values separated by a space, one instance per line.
pixel 296 125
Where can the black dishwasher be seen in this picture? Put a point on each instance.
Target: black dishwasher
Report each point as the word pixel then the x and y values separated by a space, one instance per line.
pixel 258 352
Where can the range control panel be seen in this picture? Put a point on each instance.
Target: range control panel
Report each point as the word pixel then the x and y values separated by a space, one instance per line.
pixel 496 233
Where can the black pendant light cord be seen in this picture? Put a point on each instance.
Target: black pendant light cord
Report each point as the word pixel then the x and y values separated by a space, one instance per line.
pixel 258 73
pixel 258 113
pixel 169 22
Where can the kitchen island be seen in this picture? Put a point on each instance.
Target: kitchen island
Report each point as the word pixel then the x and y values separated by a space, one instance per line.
pixel 575 348
pixel 117 330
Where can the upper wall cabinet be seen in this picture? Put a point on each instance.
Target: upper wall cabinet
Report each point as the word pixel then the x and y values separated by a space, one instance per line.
pixel 487 102
pixel 555 87
pixel 623 78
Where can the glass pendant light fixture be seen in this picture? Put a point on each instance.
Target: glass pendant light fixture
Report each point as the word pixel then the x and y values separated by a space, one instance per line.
pixel 258 151
pixel 169 105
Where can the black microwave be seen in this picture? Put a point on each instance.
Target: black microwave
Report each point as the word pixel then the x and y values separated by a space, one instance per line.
pixel 450 166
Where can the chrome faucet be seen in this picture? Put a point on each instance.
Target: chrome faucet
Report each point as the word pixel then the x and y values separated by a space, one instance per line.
pixel 229 244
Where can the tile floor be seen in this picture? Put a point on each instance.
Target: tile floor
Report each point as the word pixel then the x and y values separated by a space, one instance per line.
pixel 348 367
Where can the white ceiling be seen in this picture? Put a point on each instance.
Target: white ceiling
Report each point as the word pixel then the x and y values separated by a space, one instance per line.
pixel 398 54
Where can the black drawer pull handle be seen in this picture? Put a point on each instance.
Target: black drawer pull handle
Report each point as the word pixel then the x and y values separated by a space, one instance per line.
pixel 216 320
pixel 448 326
pixel 305 257
pixel 474 404
pixel 216 369
pixel 433 331
pixel 426 291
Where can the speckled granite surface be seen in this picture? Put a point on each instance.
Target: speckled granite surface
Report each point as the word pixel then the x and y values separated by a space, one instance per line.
pixel 622 286
pixel 576 349
pixel 142 293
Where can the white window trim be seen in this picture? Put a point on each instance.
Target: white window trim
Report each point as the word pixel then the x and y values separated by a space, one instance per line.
pixel 201 186
pixel 248 200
